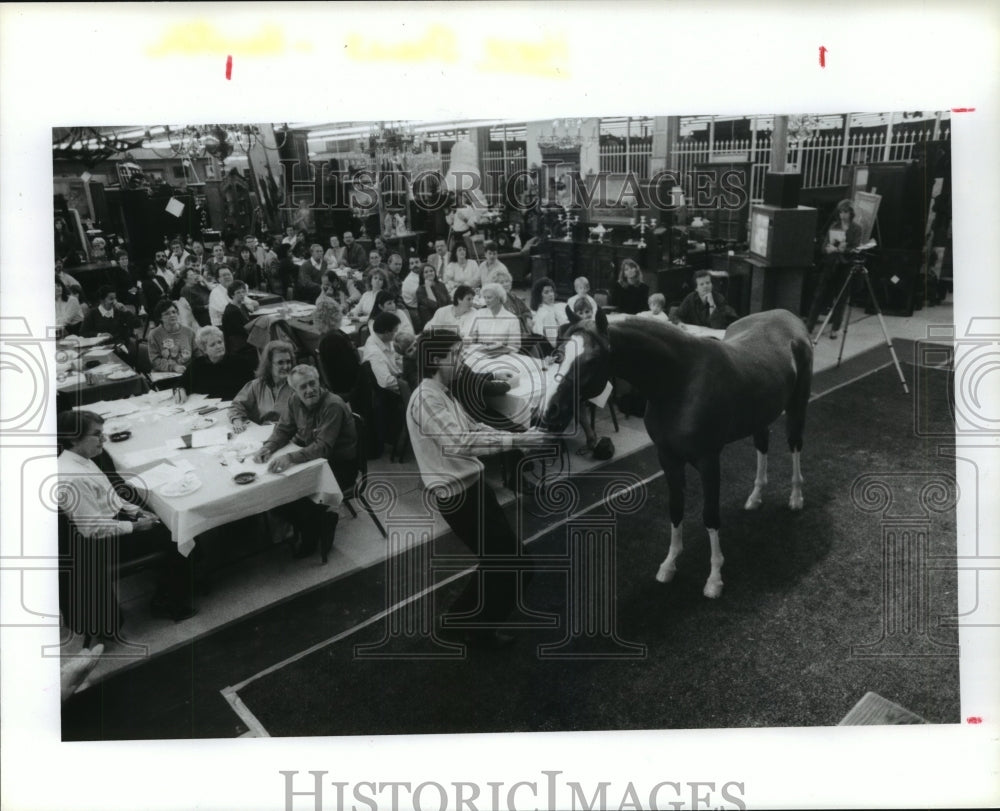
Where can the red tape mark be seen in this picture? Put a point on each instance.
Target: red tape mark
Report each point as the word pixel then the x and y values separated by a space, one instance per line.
pixel 229 67
pixel 973 719
pixel 963 109
pixel 822 56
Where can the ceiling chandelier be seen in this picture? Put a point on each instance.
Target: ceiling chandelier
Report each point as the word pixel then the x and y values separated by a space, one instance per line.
pixel 390 140
pixel 565 134
pixel 215 140
pixel 89 145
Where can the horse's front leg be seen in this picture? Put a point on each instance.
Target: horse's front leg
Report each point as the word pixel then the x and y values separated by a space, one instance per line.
pixel 708 467
pixel 796 501
pixel 674 470
pixel 756 498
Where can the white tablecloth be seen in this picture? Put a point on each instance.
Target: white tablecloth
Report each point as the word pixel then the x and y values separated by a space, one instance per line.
pixel 219 500
pixel 532 385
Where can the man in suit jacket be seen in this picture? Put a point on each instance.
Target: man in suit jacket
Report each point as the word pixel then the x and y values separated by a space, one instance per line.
pixel 704 307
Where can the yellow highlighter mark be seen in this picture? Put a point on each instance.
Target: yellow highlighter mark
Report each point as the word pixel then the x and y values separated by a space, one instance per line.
pixel 549 57
pixel 199 38
pixel 438 44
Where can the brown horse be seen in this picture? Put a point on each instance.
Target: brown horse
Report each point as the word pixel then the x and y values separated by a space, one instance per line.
pixel 701 395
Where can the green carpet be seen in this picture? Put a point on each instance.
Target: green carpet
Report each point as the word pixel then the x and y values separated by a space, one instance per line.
pixel 788 644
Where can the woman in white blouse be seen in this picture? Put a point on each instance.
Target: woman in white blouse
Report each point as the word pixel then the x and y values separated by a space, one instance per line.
pixel 548 316
pixel 456 315
pixel 461 270
pixel 69 316
pixel 366 307
pixel 334 256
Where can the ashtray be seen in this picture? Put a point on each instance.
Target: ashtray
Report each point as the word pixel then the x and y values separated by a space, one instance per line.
pixel 120 436
pixel 245 477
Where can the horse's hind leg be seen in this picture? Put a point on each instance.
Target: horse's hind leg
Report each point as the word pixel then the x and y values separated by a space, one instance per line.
pixel 708 467
pixel 756 498
pixel 674 470
pixel 795 419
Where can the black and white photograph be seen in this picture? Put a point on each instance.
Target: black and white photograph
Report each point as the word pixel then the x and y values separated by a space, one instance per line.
pixel 633 444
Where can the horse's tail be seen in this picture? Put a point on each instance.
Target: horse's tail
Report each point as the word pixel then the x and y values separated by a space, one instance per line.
pixel 795 409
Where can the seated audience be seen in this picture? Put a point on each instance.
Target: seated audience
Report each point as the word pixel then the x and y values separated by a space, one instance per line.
pixel 247 269
pixel 354 253
pixel 494 324
pixel 265 398
pixel 126 281
pixel 309 275
pixel 513 303
pixel 363 309
pixel 657 303
pixel 384 302
pixel 439 259
pixel 69 316
pixel 235 318
pixel 581 286
pixel 215 372
pixel 218 261
pixel 430 293
pixel 321 425
pixel 630 292
pixel 196 292
pixel 171 344
pixel 283 274
pixel 218 297
pixel 177 257
pixel 456 316
pixel 548 316
pixel 334 256
pixel 704 307
pixel 461 269
pixel 334 288
pixel 109 316
pixel 490 264
pixel 100 516
pixel 337 353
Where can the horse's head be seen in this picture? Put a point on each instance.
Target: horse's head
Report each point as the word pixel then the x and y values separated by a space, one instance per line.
pixel 584 373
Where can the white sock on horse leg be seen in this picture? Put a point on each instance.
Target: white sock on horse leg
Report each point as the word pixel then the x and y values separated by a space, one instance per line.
pixel 668 568
pixel 713 586
pixel 796 500
pixel 756 497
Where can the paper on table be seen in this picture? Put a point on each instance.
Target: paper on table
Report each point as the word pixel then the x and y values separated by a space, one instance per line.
pixel 183 465
pixel 155 476
pixel 137 458
pixel 176 444
pixel 216 435
pixel 156 377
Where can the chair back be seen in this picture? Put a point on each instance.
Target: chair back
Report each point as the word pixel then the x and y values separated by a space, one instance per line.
pixel 143 364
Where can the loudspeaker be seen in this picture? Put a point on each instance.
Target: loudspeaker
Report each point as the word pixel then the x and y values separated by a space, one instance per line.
pixel 782 189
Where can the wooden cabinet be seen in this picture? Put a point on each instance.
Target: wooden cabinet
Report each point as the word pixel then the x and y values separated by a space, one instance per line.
pixel 599 263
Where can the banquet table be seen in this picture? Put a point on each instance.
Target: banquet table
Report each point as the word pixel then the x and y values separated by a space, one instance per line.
pixel 88 371
pixel 298 316
pixel 532 382
pixel 207 494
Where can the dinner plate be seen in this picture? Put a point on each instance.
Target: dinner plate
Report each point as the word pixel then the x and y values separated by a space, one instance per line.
pixel 180 487
pixel 124 374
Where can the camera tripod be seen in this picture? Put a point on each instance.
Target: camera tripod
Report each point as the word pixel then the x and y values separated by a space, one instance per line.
pixel 858 269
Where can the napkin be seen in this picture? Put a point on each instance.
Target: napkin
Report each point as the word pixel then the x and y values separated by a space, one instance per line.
pixel 216 435
pixel 155 477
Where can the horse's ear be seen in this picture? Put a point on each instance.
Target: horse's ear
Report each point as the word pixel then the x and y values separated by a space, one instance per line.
pixel 601 320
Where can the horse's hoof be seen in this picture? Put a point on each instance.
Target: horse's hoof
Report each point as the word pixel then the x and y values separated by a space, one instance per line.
pixel 713 590
pixel 665 575
pixel 753 503
pixel 795 503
